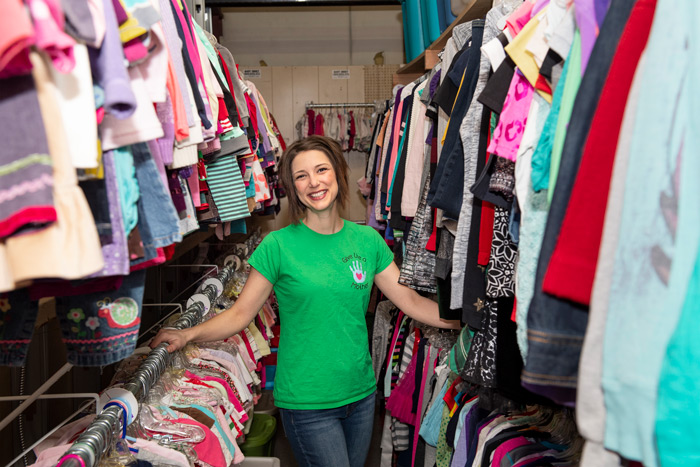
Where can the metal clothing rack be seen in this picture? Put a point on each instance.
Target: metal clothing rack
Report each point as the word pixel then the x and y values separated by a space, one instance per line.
pixel 311 105
pixel 99 436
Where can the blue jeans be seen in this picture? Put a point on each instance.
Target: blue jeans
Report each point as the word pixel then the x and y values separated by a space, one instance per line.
pixel 158 220
pixel 337 437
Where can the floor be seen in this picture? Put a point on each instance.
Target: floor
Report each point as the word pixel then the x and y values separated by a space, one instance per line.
pixel 283 451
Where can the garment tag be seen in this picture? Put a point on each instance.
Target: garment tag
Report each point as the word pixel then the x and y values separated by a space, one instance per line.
pixel 248 172
pixel 340 74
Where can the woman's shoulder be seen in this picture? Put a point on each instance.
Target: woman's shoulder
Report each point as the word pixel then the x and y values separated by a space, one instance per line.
pixel 280 235
pixel 360 229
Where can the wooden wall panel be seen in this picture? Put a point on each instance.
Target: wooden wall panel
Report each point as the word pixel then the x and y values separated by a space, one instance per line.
pixel 283 98
pixel 304 89
pixel 331 90
pixel 356 84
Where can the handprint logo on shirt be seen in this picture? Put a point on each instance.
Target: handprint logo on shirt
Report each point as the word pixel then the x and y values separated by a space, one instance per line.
pixel 357 273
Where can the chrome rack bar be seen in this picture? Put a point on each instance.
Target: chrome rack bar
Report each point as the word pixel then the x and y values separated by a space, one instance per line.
pixel 311 105
pixel 94 441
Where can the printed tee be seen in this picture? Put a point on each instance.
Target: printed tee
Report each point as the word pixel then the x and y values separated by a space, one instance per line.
pixel 323 285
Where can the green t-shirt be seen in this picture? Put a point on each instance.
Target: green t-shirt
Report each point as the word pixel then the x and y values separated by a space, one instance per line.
pixel 323 285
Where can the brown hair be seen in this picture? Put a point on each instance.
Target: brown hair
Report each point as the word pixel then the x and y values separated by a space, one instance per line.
pixel 331 149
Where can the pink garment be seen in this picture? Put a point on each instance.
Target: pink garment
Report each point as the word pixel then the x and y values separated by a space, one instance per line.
pixel 49 457
pixel 318 126
pixel 229 365
pixel 208 450
pixel 64 435
pixel 414 162
pixel 238 456
pixel 261 327
pixel 193 183
pixel 230 394
pixel 195 38
pixel 193 52
pixel 511 125
pixel 49 24
pixel 400 402
pixel 527 459
pixel 159 259
pixel 389 356
pixel 246 356
pixel 427 364
pixel 176 458
pixel 248 347
pixel 16 36
pixel 135 51
pixel 519 18
pixel 503 450
pixel 97 13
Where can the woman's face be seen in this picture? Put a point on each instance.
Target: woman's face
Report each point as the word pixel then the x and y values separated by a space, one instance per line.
pixel 314 180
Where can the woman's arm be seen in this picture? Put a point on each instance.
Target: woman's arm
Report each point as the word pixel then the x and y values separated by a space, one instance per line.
pixel 409 301
pixel 229 322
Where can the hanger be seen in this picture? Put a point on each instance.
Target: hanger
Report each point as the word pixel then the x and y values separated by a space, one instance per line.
pixel 158 429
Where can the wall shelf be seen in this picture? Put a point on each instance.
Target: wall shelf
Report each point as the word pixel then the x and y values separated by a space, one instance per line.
pixel 429 57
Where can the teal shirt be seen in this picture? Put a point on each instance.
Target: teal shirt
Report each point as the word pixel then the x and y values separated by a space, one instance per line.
pixel 645 308
pixel 323 285
pixel 677 430
pixel 129 192
pixel 541 159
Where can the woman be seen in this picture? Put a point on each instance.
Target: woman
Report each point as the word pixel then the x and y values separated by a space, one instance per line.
pixel 322 269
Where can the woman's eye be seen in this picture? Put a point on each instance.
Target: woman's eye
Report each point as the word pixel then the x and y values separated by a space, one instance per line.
pixel 298 177
pixel 322 169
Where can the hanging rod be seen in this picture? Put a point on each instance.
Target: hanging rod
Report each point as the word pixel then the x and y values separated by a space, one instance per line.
pixel 311 105
pixel 300 3
pixel 97 438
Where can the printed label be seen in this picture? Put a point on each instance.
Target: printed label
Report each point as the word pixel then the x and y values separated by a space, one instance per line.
pixel 340 74
pixel 252 73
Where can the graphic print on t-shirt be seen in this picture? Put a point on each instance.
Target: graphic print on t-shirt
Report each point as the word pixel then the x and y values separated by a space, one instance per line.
pixel 357 268
pixel 358 274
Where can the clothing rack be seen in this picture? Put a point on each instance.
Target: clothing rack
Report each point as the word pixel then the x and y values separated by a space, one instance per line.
pixel 99 436
pixel 311 105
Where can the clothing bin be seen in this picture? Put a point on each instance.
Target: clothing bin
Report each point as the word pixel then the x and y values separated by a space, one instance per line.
pixel 259 441
pixel 261 462
pixel 266 404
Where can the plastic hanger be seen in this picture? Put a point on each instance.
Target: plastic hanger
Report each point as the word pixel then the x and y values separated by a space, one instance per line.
pixel 172 432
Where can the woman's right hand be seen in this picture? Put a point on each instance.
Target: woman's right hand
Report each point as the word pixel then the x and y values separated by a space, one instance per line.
pixel 175 338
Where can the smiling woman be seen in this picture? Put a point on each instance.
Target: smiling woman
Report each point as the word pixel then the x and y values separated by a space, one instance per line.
pixel 321 268
pixel 317 171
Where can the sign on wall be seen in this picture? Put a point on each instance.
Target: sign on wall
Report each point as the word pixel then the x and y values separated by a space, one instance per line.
pixel 340 74
pixel 252 73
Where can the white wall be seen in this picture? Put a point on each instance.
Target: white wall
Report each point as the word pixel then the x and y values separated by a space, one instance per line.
pixel 299 36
